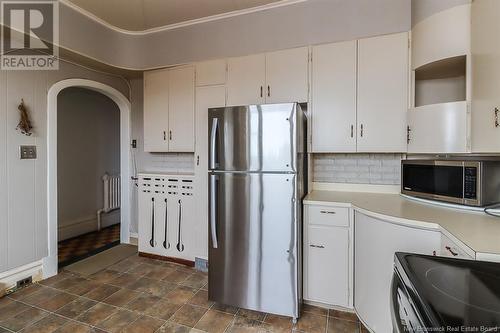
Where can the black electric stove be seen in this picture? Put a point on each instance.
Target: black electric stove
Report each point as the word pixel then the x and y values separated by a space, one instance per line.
pixel 439 294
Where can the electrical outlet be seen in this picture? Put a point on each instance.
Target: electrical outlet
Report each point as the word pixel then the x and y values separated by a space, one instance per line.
pixel 28 152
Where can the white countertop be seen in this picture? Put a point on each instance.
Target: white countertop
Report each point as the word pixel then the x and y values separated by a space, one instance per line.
pixel 476 230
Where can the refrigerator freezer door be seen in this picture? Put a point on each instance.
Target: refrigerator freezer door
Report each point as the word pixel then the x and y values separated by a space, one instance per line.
pixel 255 138
pixel 253 263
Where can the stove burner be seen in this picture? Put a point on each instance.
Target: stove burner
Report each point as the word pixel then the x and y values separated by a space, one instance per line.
pixel 466 286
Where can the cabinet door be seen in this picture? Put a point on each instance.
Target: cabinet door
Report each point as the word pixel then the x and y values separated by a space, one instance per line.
pixel 382 93
pixel 181 109
pixel 206 97
pixel 334 97
pixel 156 111
pixel 287 78
pixel 327 265
pixel 376 242
pixel 245 80
pixel 486 79
pixel 212 72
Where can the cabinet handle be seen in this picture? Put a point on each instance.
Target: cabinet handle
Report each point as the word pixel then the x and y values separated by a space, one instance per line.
pixel 180 246
pixel 164 136
pixel 361 133
pixel 453 253
pixel 166 244
pixel 152 240
pixel 496 118
pixel 352 131
pixel 261 91
pixel 268 91
pixel 408 130
pixel 170 135
pixel 327 212
pixel 317 246
pixel 198 160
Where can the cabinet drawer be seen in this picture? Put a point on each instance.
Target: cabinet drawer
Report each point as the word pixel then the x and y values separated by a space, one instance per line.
pixel 332 216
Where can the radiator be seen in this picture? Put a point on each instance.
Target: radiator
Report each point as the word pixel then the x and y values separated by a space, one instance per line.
pixel 112 194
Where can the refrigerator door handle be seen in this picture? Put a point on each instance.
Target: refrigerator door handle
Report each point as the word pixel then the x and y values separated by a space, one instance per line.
pixel 213 144
pixel 213 210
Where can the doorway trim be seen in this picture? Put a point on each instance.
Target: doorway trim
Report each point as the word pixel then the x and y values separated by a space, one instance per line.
pixel 50 264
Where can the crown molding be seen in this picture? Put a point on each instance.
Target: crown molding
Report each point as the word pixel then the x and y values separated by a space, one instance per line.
pixel 206 19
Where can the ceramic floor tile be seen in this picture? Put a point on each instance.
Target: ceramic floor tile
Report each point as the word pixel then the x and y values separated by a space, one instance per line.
pixel 96 314
pixel 57 302
pixel 171 327
pixel 180 295
pixel 163 309
pixel 196 280
pixel 76 308
pixel 75 327
pixel 55 279
pixel 69 282
pixel 214 321
pixel 160 272
pixel 336 325
pixel 201 299
pixel 48 324
pixel 123 266
pixel 314 309
pixel 225 308
pixel 177 276
pixel 278 324
pixel 188 315
pixel 102 292
pixel 144 325
pixel 104 276
pixel 41 296
pixel 142 303
pixel 312 323
pixel 250 314
pixel 118 321
pixel 245 325
pixel 122 297
pixel 23 319
pixel 12 309
pixel 6 300
pixel 25 292
pixel 125 280
pixel 160 288
pixel 343 315
pixel 83 287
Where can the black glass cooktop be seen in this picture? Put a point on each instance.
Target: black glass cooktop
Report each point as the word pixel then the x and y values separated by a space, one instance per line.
pixel 453 293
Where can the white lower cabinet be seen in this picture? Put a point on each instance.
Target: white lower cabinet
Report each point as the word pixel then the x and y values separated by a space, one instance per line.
pixel 327 255
pixel 376 242
pixel 166 216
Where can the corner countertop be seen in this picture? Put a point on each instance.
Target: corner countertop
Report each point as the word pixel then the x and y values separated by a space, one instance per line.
pixel 478 231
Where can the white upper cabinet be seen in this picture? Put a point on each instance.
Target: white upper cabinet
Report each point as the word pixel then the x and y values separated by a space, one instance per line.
pixel 212 72
pixel 246 78
pixel 382 93
pixel 486 79
pixel 181 109
pixel 156 111
pixel 333 99
pixel 287 76
pixel 276 77
pixel 169 110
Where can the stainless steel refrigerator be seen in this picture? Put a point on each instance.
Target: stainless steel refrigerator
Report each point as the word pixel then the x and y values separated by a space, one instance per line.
pixel 257 179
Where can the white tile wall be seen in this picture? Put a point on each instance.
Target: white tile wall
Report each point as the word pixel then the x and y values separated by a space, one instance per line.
pixel 357 168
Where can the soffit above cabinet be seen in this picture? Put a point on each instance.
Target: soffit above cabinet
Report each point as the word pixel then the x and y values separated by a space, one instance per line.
pixel 141 15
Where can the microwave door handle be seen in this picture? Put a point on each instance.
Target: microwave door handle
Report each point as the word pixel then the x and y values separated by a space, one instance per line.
pixel 213 210
pixel 213 144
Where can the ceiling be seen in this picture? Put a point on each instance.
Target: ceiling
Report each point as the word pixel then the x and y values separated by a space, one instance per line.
pixel 140 15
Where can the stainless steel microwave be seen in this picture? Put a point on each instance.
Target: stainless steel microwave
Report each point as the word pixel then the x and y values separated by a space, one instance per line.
pixel 465 182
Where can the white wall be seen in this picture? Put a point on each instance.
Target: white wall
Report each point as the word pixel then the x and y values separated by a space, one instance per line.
pixel 88 146
pixel 23 183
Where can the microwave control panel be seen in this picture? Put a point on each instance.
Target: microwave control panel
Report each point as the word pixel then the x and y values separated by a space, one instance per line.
pixel 470 185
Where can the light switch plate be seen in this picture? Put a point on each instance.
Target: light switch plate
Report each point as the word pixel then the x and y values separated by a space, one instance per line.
pixel 28 152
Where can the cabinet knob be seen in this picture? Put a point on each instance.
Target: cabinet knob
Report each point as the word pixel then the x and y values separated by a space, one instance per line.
pixel 352 131
pixel 496 118
pixel 170 135
pixel 268 91
pixel 261 91
pixel 317 246
pixel 361 132
pixel 327 212
pixel 164 135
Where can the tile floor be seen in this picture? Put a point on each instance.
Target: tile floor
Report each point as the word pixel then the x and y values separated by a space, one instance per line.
pixel 86 245
pixel 145 295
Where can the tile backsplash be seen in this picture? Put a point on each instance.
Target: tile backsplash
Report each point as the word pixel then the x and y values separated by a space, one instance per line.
pixel 357 168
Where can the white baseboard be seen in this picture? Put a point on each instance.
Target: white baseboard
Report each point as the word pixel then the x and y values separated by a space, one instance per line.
pixel 86 224
pixel 8 279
